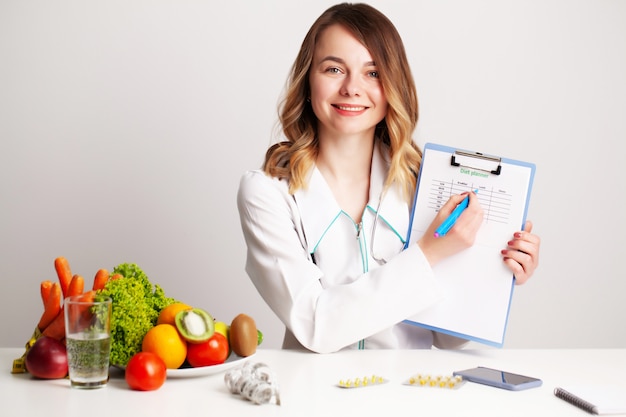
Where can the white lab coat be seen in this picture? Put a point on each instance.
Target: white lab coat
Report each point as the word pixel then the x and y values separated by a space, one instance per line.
pixel 316 271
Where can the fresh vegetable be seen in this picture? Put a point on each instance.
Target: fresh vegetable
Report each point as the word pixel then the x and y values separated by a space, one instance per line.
pixel 100 280
pixel 115 276
pixel 212 352
pixel 136 306
pixel 243 335
pixel 44 288
pixel 47 359
pixel 52 306
pixel 76 287
pixel 84 311
pixel 64 273
pixel 87 296
pixel 56 329
pixel 145 371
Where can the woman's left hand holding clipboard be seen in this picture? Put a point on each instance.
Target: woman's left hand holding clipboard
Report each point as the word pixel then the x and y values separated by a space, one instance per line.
pixel 522 253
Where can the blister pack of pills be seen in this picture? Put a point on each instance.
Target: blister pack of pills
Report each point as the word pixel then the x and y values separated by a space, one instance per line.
pixel 435 381
pixel 366 381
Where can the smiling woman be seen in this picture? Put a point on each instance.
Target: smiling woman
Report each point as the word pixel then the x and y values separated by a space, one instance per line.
pixel 349 165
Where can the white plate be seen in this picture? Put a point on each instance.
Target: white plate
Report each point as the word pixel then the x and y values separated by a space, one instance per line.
pixel 231 362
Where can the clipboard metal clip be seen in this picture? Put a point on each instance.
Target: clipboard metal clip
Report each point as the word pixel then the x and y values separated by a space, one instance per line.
pixel 482 162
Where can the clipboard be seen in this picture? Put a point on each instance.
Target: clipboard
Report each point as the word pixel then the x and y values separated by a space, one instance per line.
pixel 478 287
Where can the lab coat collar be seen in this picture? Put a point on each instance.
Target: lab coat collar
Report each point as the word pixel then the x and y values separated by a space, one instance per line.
pixel 319 209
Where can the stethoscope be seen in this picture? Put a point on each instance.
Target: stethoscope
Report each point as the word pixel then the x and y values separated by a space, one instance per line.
pixel 380 260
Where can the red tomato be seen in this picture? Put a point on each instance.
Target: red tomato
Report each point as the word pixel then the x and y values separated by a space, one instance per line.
pixel 145 371
pixel 212 352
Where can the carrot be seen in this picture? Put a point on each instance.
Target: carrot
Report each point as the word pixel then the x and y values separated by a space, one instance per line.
pixel 77 285
pixel 86 314
pixel 62 266
pixel 56 329
pixel 83 313
pixel 87 296
pixel 52 307
pixel 100 280
pixel 45 288
pixel 116 276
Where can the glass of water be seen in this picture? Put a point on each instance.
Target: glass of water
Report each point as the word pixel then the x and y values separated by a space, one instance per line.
pixel 88 339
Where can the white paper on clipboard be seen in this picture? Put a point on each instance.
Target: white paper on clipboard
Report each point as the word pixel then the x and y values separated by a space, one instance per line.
pixel 478 287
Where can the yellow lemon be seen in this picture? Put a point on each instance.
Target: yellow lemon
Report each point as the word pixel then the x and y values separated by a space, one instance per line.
pixel 222 328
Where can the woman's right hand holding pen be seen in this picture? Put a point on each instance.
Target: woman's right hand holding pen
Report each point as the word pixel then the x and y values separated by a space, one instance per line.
pixel 462 234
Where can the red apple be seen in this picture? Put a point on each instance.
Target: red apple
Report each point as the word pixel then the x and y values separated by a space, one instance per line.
pixel 47 359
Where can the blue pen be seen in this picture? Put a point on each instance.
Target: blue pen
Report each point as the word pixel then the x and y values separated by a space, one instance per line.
pixel 452 218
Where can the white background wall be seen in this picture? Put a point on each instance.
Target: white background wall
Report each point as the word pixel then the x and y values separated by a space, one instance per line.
pixel 125 126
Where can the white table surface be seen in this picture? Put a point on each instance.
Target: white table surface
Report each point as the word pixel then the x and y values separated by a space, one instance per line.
pixel 308 386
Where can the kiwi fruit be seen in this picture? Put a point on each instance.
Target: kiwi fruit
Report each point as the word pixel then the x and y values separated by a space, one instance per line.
pixel 243 335
pixel 195 325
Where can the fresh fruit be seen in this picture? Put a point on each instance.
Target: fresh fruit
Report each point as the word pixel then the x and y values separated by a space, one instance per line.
pixel 165 341
pixel 223 328
pixel 145 371
pixel 243 335
pixel 212 352
pixel 168 314
pixel 47 359
pixel 195 325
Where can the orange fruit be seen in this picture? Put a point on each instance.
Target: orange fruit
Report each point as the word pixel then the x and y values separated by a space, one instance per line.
pixel 165 341
pixel 167 315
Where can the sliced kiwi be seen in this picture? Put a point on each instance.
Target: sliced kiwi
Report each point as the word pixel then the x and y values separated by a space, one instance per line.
pixel 195 325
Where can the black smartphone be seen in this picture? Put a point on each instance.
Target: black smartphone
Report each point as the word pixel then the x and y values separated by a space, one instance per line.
pixel 498 378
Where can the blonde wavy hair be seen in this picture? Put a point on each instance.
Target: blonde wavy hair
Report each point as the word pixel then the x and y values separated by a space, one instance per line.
pixel 292 159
